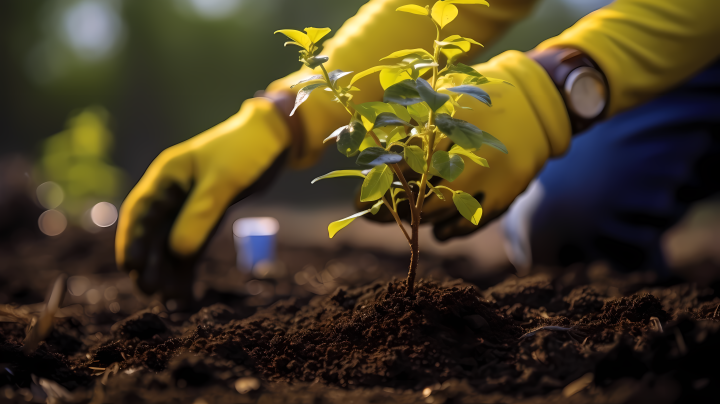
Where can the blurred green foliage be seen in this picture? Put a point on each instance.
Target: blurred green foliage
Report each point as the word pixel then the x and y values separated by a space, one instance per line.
pixel 78 159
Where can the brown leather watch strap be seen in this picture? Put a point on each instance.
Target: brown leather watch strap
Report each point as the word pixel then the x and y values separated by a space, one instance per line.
pixel 285 101
pixel 559 63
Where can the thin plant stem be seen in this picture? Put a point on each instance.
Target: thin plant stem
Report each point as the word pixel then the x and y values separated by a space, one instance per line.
pixel 332 87
pixel 418 205
pixel 397 219
pixel 408 191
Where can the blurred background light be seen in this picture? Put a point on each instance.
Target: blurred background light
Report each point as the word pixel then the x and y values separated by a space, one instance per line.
pixel 78 285
pixel 214 9
pixel 92 29
pixel 93 296
pixel 50 195
pixel 52 222
pixel 104 214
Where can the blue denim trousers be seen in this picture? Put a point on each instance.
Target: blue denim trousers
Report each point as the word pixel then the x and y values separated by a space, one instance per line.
pixel 623 183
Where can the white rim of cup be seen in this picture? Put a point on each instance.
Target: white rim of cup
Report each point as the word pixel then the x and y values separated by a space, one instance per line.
pixel 256 226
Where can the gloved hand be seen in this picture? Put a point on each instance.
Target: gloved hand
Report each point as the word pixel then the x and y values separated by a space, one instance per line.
pixel 167 218
pixel 529 118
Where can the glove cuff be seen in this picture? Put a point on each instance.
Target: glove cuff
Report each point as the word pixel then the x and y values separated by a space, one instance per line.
pixel 284 102
pixel 530 78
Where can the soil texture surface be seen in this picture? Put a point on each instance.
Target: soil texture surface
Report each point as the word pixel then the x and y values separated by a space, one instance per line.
pixel 337 327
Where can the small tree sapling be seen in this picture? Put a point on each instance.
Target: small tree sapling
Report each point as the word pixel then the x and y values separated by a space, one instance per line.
pixel 415 115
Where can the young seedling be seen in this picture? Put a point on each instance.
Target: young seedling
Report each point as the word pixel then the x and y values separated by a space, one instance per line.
pixel 415 115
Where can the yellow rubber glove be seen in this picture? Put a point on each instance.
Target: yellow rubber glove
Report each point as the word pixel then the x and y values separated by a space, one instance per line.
pixel 375 32
pixel 167 218
pixel 529 118
pixel 646 47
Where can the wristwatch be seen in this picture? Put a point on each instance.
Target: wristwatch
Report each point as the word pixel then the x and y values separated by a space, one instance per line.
pixel 580 82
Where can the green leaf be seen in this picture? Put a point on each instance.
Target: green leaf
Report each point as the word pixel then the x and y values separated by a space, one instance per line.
pixel 368 72
pixel 438 193
pixel 336 75
pixel 456 149
pixel 374 156
pixel 478 80
pixel 444 13
pixel 455 45
pixel 336 226
pixel 376 208
pixel 369 155
pixel 297 36
pixel 316 61
pixel 397 135
pixel 304 93
pixel 292 43
pixel 415 157
pixel 350 138
pixel 494 142
pixel 370 110
pixel 434 99
pixel 462 69
pixel 475 92
pixel 448 109
pixel 406 52
pixel 468 206
pixel 472 41
pixel 449 167
pixel 480 2
pixel 369 142
pixel 339 173
pixel 311 78
pixel 401 112
pixel 394 75
pixel 388 119
pixel 413 9
pixel 467 135
pixel 404 93
pixel 335 134
pixel 419 112
pixel 376 183
pixel 316 34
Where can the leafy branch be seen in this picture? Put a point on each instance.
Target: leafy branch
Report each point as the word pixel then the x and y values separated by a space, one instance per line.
pixel 417 112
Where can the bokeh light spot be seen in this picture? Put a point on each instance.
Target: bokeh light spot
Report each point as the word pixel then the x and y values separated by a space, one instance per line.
pixel 111 293
pixel 104 214
pixel 50 195
pixel 93 296
pixel 214 9
pixel 77 285
pixel 114 307
pixel 52 222
pixel 92 29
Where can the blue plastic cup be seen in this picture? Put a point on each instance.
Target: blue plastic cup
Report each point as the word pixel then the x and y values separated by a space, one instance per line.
pixel 255 240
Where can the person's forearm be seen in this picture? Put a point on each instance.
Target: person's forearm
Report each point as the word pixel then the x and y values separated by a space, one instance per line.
pixel 375 32
pixel 646 47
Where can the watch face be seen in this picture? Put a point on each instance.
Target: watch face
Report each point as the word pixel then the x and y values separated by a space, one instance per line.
pixel 585 92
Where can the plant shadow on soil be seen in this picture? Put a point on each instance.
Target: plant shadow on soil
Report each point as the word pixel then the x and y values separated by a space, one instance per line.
pixel 362 341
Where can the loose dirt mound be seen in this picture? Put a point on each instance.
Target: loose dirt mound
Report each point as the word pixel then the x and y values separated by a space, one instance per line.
pixel 375 336
pixel 571 339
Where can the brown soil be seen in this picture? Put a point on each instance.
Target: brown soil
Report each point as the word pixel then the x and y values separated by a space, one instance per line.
pixel 362 342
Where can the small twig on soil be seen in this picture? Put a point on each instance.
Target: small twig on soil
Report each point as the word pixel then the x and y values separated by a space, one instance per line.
pixel 570 331
pixel 44 324
pixel 680 342
pixel 716 310
pixel 655 324
pixel 112 369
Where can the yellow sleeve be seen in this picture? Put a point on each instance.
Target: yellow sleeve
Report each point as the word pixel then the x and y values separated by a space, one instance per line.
pixel 646 47
pixel 376 31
